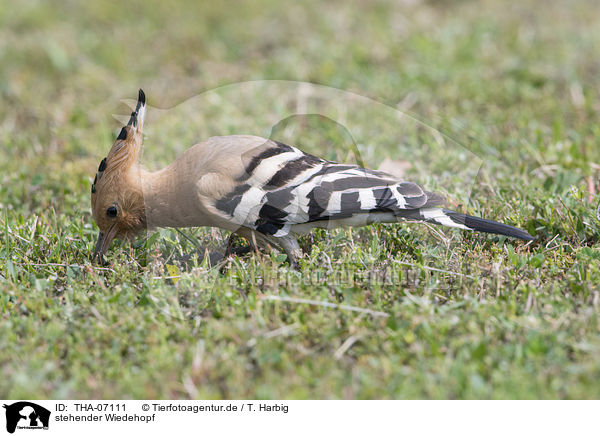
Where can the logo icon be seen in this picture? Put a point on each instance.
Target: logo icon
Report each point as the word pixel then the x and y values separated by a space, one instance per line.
pixel 26 415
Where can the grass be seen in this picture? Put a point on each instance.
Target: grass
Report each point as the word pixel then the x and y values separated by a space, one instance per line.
pixel 514 88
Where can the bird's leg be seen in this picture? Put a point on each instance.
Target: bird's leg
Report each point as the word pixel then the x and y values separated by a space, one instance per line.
pixel 291 248
pixel 232 250
pixel 257 240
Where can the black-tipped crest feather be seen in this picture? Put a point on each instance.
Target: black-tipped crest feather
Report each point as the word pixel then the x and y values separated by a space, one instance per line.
pixel 141 100
pixel 123 134
pixel 133 119
pixel 102 165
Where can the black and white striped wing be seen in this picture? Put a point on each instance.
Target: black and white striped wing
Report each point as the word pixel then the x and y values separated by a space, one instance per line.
pixel 284 188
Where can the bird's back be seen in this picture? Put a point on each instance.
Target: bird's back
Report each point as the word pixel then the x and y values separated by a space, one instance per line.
pixel 275 188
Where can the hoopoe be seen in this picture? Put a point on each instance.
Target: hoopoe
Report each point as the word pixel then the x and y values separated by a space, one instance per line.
pixel 262 190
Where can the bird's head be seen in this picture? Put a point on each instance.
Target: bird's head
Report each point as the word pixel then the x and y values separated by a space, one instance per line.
pixel 117 198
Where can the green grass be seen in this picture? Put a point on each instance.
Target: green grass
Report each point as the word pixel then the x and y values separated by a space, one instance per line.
pixel 469 316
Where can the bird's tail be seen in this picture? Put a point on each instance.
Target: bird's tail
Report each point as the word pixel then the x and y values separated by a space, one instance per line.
pixel 450 218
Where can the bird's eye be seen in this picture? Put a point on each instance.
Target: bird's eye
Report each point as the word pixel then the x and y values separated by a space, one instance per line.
pixel 111 212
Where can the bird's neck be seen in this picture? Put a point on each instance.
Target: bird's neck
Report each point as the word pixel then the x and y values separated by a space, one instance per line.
pixel 170 199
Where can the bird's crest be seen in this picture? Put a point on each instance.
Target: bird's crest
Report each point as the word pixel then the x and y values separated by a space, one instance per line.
pixel 126 149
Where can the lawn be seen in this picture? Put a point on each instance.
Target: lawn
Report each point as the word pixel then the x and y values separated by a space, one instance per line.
pixel 493 103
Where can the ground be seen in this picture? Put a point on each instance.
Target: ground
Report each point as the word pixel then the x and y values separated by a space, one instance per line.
pixel 388 311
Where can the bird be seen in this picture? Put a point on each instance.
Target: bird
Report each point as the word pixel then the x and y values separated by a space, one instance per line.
pixel 265 191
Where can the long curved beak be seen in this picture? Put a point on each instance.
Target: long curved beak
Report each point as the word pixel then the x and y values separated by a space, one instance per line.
pixel 104 240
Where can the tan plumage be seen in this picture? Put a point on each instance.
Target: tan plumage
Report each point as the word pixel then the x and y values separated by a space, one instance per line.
pixel 181 195
pixel 263 190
